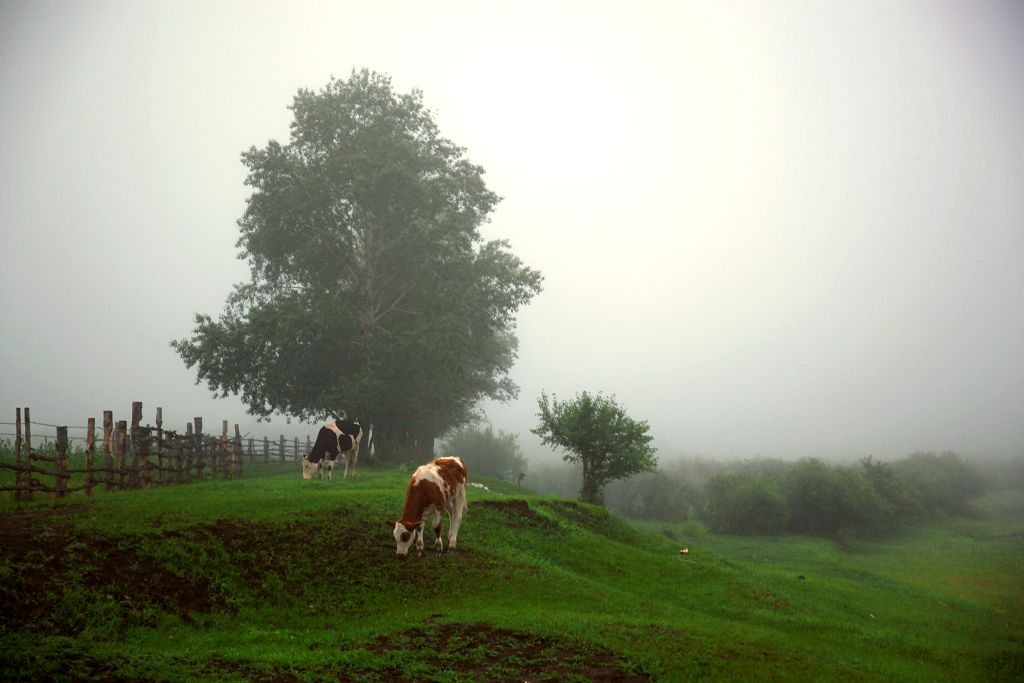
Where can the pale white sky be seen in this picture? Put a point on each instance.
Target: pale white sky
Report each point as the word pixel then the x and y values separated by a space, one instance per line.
pixel 777 228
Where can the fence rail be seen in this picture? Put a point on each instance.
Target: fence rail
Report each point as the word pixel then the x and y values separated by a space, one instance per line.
pixel 133 455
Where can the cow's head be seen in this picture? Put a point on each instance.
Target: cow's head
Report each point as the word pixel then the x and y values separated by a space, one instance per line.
pixel 405 535
pixel 308 468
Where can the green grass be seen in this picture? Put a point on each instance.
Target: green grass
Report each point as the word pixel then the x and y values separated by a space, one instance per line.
pixel 273 578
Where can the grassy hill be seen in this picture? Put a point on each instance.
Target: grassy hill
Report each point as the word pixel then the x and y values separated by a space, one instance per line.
pixel 271 578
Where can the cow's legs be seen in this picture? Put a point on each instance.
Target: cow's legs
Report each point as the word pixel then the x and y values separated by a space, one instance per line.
pixel 329 466
pixel 419 540
pixel 438 517
pixel 456 510
pixel 355 459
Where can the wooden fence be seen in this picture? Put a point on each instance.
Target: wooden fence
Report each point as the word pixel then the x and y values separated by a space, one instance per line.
pixel 135 456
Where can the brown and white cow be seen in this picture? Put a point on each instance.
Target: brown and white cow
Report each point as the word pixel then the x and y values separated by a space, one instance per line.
pixel 334 438
pixel 435 487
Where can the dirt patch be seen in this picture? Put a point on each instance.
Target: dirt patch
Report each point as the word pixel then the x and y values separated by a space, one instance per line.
pixel 518 512
pixel 585 515
pixel 462 652
pixel 43 560
pixel 481 652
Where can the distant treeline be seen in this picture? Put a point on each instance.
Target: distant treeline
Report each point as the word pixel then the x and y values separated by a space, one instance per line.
pixel 771 496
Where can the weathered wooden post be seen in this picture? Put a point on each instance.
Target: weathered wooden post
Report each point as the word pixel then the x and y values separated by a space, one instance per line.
pixel 266 449
pixel 135 444
pixel 108 451
pixel 160 445
pixel 281 447
pixel 309 444
pixel 90 446
pixel 224 468
pixel 28 453
pixel 190 444
pixel 121 446
pixel 236 454
pixel 19 476
pixel 61 462
pixel 200 461
pixel 252 455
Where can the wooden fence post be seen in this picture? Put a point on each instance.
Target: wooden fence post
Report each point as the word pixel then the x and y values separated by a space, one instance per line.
pixel 28 452
pixel 108 451
pixel 236 454
pixel 281 447
pixel 120 445
pixel 160 445
pixel 190 445
pixel 135 444
pixel 61 462
pixel 224 469
pixel 19 476
pixel 266 449
pixel 90 445
pixel 200 462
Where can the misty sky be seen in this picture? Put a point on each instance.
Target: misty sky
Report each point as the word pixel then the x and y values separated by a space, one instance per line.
pixel 768 228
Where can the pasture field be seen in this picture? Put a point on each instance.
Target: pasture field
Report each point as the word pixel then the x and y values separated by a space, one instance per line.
pixel 271 578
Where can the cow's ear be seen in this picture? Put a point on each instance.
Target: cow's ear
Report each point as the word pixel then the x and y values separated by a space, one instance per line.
pixel 391 523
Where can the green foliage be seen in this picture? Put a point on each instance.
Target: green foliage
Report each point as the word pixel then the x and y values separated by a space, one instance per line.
pixel 487 453
pixel 598 434
pixel 744 504
pixel 373 292
pixel 943 482
pixel 651 495
pixel 824 499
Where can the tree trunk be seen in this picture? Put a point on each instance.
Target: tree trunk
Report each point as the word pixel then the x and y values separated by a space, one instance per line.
pixel 593 490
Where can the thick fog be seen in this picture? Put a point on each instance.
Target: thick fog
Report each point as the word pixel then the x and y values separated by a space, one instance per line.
pixel 781 229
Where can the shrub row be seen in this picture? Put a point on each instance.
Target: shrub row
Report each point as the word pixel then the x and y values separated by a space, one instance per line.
pixel 769 496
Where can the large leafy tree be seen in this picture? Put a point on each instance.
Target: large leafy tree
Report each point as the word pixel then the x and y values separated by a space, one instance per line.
pixel 597 434
pixel 372 292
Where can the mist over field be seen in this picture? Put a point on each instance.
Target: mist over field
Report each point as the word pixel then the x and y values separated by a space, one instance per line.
pixel 782 229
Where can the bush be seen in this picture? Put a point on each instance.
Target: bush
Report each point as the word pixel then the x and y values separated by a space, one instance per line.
pixel 487 453
pixel 943 482
pixel 743 504
pixel 824 499
pixel 651 495
pixel 902 500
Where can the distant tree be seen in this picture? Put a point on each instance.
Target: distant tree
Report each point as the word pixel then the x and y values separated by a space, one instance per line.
pixel 598 435
pixel 487 453
pixel 824 499
pixel 373 292
pixel 943 482
pixel 902 501
pixel 743 503
pixel 651 495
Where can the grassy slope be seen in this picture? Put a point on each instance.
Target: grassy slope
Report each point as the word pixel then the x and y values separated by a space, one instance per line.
pixel 302 583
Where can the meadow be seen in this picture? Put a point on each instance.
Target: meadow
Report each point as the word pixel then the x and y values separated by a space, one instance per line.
pixel 271 578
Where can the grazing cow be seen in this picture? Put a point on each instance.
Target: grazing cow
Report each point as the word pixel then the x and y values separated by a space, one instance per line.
pixel 435 487
pixel 335 437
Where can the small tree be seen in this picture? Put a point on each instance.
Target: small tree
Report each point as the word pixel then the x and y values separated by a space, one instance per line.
pixel 597 434
pixel 487 453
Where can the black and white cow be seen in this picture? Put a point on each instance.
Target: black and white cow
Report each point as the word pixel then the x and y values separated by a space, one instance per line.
pixel 334 438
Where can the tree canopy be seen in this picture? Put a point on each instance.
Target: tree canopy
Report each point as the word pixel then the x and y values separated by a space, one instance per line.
pixel 596 433
pixel 372 292
pixel 489 453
